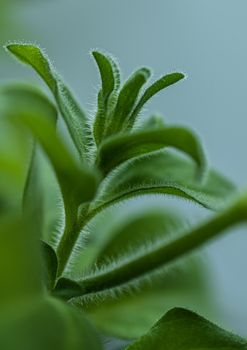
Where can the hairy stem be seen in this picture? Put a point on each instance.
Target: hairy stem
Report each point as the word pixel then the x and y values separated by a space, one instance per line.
pixel 164 254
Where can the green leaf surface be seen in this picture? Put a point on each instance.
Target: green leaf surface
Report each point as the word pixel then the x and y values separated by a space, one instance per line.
pixel 46 324
pixel 127 99
pixel 181 329
pixel 74 117
pixel 164 173
pixel 20 272
pixel 110 78
pixel 115 238
pixel 49 265
pixel 152 90
pixel 32 109
pixel 121 148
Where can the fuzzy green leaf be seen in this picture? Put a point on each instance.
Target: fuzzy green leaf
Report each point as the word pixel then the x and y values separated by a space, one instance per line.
pixel 110 78
pixel 127 99
pixel 167 252
pixel 121 148
pixel 115 238
pixel 73 115
pixel 164 173
pixel 181 329
pixel 152 90
pixel 46 324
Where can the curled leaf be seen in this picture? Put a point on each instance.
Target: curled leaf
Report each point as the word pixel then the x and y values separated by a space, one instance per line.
pixel 121 148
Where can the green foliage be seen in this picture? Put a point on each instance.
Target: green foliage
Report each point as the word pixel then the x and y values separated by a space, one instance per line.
pixel 77 238
pixel 182 329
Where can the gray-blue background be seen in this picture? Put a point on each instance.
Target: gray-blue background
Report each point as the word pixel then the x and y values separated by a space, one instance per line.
pixel 204 38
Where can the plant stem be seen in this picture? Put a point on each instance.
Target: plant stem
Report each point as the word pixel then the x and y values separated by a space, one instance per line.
pixel 169 252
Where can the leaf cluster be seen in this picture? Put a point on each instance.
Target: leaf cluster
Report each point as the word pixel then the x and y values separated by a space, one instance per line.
pixel 93 263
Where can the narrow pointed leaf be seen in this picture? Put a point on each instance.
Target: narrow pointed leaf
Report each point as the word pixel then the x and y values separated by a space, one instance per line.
pixel 152 90
pixel 164 173
pixel 110 78
pixel 73 115
pixel 127 99
pixel 121 148
pixel 185 330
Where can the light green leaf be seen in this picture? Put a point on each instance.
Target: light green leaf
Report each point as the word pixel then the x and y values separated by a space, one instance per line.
pixel 152 90
pixel 32 109
pixel 127 99
pixel 46 324
pixel 181 329
pixel 74 117
pixel 110 77
pixel 121 148
pixel 164 173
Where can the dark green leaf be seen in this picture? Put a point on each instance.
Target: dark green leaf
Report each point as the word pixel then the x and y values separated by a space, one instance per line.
pixel 67 289
pixel 164 173
pixel 74 117
pixel 152 90
pixel 46 324
pixel 180 329
pixel 121 148
pixel 50 265
pixel 127 99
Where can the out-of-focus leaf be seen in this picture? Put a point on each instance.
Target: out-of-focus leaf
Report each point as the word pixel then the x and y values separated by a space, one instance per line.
pixel 20 273
pixel 49 264
pixel 110 77
pixel 127 99
pixel 181 329
pixel 46 324
pixel 121 148
pixel 33 110
pixel 32 196
pixel 152 90
pixel 164 173
pixel 73 115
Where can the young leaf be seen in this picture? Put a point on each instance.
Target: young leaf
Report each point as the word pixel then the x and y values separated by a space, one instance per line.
pixel 121 148
pixel 152 90
pixel 181 329
pixel 74 117
pixel 163 173
pixel 127 99
pixel 46 324
pixel 110 77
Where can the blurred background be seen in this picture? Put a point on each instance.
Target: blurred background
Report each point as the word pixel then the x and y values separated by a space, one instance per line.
pixel 206 40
